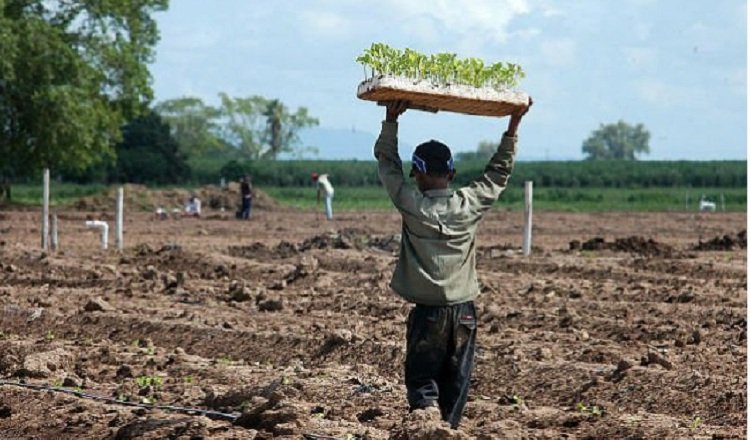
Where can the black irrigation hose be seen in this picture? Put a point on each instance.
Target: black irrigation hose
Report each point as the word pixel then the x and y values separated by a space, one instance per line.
pixel 181 409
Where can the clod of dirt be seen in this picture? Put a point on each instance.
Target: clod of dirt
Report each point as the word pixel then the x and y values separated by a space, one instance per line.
pixel 187 427
pixel 723 243
pixel 98 304
pixel 270 305
pixel 654 357
pixel 150 273
pixel 369 414
pixel 41 365
pixel 632 244
pixel 5 411
pixel 427 425
pixel 238 292
pixel 124 371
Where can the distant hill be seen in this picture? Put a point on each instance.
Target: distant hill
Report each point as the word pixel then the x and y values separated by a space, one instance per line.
pixel 342 144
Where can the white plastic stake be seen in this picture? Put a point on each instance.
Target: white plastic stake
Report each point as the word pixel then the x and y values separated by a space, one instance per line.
pixel 527 210
pixel 45 210
pixel 54 232
pixel 118 215
pixel 103 227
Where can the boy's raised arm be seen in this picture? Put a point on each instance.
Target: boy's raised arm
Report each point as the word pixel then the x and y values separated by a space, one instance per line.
pixel 483 192
pixel 390 169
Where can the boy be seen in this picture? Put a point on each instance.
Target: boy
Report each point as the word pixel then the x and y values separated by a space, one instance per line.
pixel 436 265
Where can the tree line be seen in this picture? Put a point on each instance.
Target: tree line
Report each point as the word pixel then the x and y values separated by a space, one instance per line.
pixel 567 174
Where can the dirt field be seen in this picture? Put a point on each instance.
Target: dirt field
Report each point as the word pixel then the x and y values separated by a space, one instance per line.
pixel 290 321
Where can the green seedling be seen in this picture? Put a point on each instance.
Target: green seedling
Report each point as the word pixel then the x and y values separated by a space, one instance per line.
pixel 224 360
pixel 518 402
pixel 50 336
pixel 145 381
pixel 441 68
pixel 189 379
pixel 593 410
pixel 696 423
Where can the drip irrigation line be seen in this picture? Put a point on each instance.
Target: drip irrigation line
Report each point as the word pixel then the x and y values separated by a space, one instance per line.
pixel 191 411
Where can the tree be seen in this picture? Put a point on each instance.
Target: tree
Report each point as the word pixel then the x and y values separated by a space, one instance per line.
pixel 261 128
pixel 617 141
pixel 484 151
pixel 71 73
pixel 195 125
pixel 282 128
pixel 149 153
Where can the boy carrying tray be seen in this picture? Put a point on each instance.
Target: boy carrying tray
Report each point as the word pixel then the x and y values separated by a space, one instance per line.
pixel 436 265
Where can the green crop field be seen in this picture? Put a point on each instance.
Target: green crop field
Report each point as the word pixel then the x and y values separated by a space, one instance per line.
pixel 349 198
pixel 545 199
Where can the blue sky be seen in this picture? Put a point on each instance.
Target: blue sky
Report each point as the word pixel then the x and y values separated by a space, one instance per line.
pixel 677 66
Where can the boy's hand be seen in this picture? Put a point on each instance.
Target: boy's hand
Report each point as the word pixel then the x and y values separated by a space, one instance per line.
pixel 515 118
pixel 393 110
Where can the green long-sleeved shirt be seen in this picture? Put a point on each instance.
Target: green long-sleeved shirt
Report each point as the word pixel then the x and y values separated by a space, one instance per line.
pixel 437 261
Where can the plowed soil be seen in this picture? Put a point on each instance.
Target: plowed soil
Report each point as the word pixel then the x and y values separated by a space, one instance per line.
pixel 617 326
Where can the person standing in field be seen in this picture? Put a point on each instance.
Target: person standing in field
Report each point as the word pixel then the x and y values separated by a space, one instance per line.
pixel 246 192
pixel 436 268
pixel 324 185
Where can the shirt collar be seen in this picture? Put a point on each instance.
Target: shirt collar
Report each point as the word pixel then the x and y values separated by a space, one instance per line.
pixel 445 192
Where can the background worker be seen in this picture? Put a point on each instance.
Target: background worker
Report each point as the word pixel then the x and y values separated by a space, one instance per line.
pixel 324 185
pixel 193 206
pixel 246 194
pixel 436 264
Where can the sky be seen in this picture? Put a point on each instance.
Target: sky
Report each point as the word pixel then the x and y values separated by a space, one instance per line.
pixel 677 66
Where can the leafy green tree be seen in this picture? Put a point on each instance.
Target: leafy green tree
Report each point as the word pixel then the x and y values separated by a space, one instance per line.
pixel 261 128
pixel 149 153
pixel 195 125
pixel 617 141
pixel 71 73
pixel 282 128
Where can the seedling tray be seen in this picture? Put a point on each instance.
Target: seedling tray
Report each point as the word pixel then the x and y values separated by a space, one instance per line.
pixel 423 95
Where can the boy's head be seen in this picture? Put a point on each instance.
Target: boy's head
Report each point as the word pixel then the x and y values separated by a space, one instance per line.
pixel 432 165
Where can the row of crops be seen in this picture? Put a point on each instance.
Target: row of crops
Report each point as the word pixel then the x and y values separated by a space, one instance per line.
pixel 583 174
pixel 440 69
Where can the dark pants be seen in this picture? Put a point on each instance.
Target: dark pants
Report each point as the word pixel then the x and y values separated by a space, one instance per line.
pixel 439 357
pixel 247 204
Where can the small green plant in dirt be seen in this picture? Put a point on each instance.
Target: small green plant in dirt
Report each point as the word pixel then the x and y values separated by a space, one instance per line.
pixel 50 336
pixel 146 381
pixel 696 423
pixel 594 410
pixel 224 360
pixel 189 379
pixel 518 403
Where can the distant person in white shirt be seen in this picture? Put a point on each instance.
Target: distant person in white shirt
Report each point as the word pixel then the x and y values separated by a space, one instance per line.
pixel 325 185
pixel 193 207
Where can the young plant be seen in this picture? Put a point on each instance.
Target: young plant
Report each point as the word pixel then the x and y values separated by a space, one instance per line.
pixel 441 69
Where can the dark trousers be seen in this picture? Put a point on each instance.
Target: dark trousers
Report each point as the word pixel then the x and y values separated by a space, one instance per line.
pixel 247 204
pixel 440 343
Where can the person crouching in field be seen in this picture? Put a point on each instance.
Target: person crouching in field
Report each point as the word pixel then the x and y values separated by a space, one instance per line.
pixel 436 264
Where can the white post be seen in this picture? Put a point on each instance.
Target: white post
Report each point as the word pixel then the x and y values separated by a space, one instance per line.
pixel 118 215
pixel 527 209
pixel 45 210
pixel 54 232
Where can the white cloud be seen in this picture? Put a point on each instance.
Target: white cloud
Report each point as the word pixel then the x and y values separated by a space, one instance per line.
pixel 560 53
pixel 468 17
pixel 325 23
